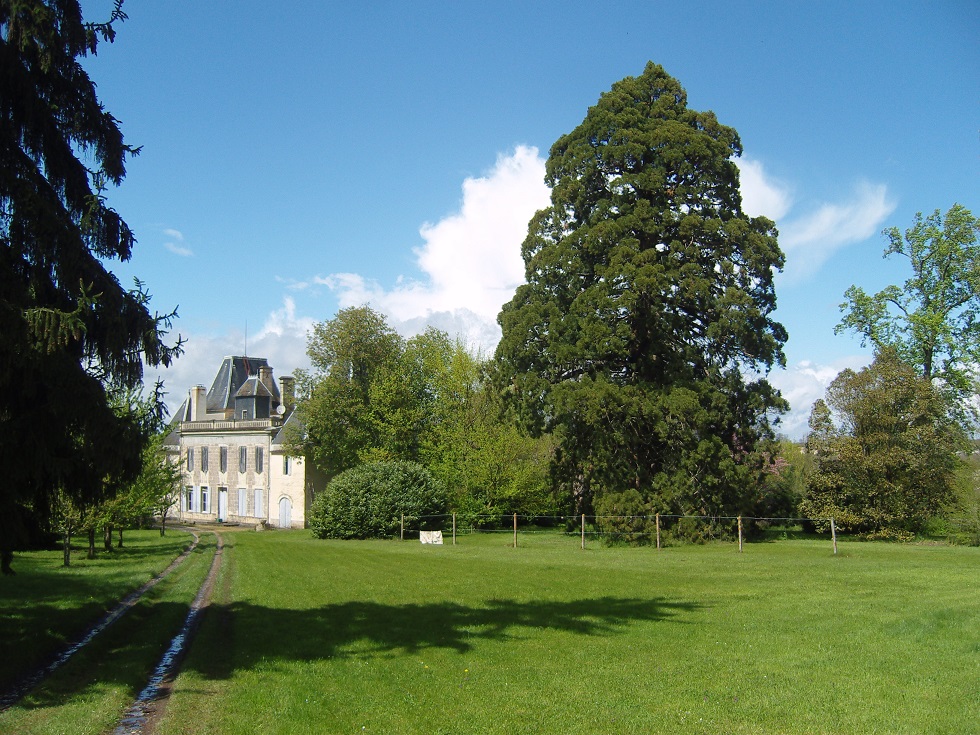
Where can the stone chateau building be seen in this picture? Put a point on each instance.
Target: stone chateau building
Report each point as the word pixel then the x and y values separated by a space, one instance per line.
pixel 231 443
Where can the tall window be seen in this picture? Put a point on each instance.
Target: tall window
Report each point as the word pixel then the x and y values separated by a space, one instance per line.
pixel 242 458
pixel 187 500
pixel 205 504
pixel 257 510
pixel 204 459
pixel 258 459
pixel 285 464
pixel 223 459
pixel 190 459
pixel 242 499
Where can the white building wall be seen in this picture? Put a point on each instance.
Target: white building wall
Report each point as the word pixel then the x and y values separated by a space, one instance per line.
pixel 288 481
pixel 195 477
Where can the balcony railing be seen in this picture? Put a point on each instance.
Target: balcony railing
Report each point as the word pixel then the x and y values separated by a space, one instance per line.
pixel 230 424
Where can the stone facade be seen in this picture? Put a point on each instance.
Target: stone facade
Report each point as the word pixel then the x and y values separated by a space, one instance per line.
pixel 231 443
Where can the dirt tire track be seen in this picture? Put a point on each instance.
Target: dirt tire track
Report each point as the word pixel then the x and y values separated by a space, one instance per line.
pixel 143 714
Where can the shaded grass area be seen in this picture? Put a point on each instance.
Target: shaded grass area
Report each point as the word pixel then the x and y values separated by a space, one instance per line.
pixel 322 636
pixel 48 606
pixel 90 691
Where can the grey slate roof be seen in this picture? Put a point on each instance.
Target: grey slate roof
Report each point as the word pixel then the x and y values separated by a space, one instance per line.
pixel 232 375
pixel 253 387
pixel 291 428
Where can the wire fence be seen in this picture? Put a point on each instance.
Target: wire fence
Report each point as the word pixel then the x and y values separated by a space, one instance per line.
pixel 661 529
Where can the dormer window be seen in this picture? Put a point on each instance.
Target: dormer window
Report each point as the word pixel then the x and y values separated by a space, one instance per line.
pixel 244 414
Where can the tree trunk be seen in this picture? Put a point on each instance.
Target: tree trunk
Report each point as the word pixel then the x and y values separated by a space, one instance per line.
pixel 119 545
pixel 163 522
pixel 91 543
pixel 6 557
pixel 107 537
pixel 66 546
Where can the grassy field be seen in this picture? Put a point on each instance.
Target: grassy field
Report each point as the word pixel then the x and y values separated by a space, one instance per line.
pixel 387 637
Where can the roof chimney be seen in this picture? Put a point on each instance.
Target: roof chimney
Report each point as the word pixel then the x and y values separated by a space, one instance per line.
pixel 199 403
pixel 288 383
pixel 265 376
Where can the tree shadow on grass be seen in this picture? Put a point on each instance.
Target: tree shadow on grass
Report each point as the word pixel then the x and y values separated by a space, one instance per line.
pixel 240 635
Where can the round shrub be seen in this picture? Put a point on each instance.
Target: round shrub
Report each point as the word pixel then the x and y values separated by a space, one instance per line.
pixel 368 501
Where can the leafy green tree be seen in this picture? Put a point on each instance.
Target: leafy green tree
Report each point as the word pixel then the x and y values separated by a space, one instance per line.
pixel 489 464
pixel 885 447
pixel 645 326
pixel 66 519
pixel 964 512
pixel 152 493
pixel 72 334
pixel 349 355
pixel 933 320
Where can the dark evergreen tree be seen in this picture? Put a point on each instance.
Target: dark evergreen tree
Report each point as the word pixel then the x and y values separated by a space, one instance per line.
pixel 72 335
pixel 644 332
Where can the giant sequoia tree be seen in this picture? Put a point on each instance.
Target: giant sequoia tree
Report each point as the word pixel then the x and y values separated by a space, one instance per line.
pixel 72 335
pixel 644 331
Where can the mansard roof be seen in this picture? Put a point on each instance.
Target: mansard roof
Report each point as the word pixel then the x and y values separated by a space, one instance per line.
pixel 253 388
pixel 234 372
pixel 292 429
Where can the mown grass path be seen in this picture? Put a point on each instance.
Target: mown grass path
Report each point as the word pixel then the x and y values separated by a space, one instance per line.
pixel 90 691
pixel 152 700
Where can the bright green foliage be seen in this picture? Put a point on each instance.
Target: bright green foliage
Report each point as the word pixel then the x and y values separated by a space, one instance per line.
pixel 646 321
pixel 370 500
pixel 888 463
pixel 373 397
pixel 71 334
pixel 350 354
pixel 964 512
pixel 786 482
pixel 489 464
pixel 154 492
pixel 933 320
pixel 626 516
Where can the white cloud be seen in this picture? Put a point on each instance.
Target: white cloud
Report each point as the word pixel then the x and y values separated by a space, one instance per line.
pixel 471 259
pixel 811 239
pixel 803 383
pixel 176 243
pixel 762 196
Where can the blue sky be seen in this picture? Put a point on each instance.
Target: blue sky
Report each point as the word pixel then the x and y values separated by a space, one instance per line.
pixel 299 157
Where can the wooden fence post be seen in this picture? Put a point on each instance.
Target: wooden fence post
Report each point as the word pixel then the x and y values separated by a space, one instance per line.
pixel 515 530
pixel 583 530
pixel 454 529
pixel 833 534
pixel 658 530
pixel 403 526
pixel 740 534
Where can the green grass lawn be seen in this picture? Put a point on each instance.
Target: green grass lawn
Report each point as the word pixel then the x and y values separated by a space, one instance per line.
pixel 388 637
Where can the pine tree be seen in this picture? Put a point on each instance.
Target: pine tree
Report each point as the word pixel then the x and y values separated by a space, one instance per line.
pixel 72 335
